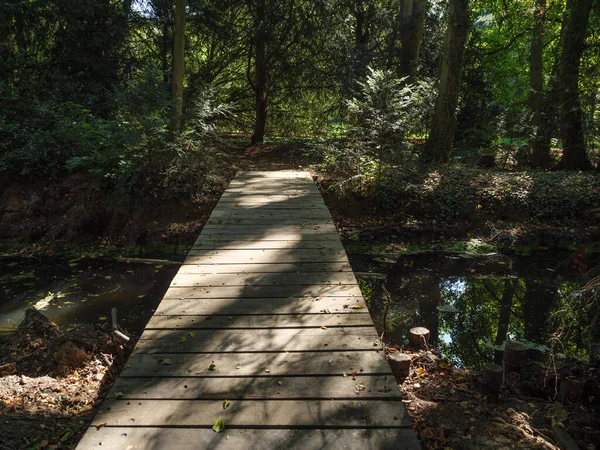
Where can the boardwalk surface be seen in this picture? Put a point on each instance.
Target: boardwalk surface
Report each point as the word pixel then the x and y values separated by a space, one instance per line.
pixel 265 313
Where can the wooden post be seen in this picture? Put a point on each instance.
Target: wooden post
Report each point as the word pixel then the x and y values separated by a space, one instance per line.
pixel 492 377
pixel 513 354
pixel 418 337
pixel 400 364
pixel 113 315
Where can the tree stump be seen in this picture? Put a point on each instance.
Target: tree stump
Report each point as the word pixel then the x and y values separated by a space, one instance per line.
pixel 570 389
pixel 400 364
pixel 492 376
pixel 418 337
pixel 513 354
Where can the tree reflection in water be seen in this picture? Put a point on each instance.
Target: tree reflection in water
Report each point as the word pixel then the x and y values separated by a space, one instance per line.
pixel 472 306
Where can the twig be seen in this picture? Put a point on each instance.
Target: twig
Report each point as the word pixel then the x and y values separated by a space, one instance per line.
pixel 385 314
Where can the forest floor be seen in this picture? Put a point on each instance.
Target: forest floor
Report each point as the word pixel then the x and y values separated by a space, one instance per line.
pixel 451 408
pixel 48 404
pixel 51 378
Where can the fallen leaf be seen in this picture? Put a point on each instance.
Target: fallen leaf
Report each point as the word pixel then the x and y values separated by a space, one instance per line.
pixel 165 362
pixel 118 395
pixel 226 404
pixel 192 334
pixel 212 367
pixel 219 425
pixel 356 307
pixel 100 425
pixel 102 318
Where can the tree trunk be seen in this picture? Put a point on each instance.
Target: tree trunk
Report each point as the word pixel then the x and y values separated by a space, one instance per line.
pixel 362 37
pixel 504 318
pixel 178 67
pixel 571 118
pixel 260 85
pixel 412 24
pixel 443 124
pixel 540 140
pixel 162 10
pixel 6 41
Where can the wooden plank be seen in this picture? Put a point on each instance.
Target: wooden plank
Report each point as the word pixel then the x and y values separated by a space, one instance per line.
pixel 256 235
pixel 228 306
pixel 264 231
pixel 257 213
pixel 260 321
pixel 287 200
pixel 281 190
pixel 263 256
pixel 275 340
pixel 334 246
pixel 252 413
pixel 267 291
pixel 271 185
pixel 157 438
pixel 269 221
pixel 278 174
pixel 273 197
pixel 256 364
pixel 249 205
pixel 264 279
pixel 264 268
pixel 254 388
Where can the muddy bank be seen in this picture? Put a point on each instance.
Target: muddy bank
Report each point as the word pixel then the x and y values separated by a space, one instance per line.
pixel 52 378
pixel 71 210
pixel 514 211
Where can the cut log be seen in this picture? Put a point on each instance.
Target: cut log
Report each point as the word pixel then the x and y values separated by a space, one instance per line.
pixel 513 354
pixel 418 337
pixel 492 376
pixel 400 364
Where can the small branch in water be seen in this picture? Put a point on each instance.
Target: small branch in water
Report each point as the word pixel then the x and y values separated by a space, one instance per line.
pixel 148 261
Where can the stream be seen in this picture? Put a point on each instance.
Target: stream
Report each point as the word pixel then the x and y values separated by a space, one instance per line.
pixel 470 305
pixel 82 290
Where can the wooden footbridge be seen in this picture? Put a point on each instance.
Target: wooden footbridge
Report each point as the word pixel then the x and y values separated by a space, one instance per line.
pixel 264 327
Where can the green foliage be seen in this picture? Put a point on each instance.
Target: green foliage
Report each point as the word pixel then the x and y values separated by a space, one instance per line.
pixel 380 118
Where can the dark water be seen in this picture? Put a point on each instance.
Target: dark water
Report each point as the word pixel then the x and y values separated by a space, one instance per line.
pixel 82 291
pixel 472 305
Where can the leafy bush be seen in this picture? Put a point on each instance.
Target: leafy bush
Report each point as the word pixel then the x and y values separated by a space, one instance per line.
pixel 380 118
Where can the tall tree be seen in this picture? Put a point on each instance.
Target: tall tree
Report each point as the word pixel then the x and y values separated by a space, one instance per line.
pixel 540 138
pixel 363 12
pixel 571 118
pixel 412 24
pixel 443 123
pixel 260 69
pixel 178 67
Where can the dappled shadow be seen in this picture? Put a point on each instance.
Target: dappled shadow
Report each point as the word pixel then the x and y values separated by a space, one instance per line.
pixel 282 333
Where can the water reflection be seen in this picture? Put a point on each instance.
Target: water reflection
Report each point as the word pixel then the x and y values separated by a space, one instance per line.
pixel 472 306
